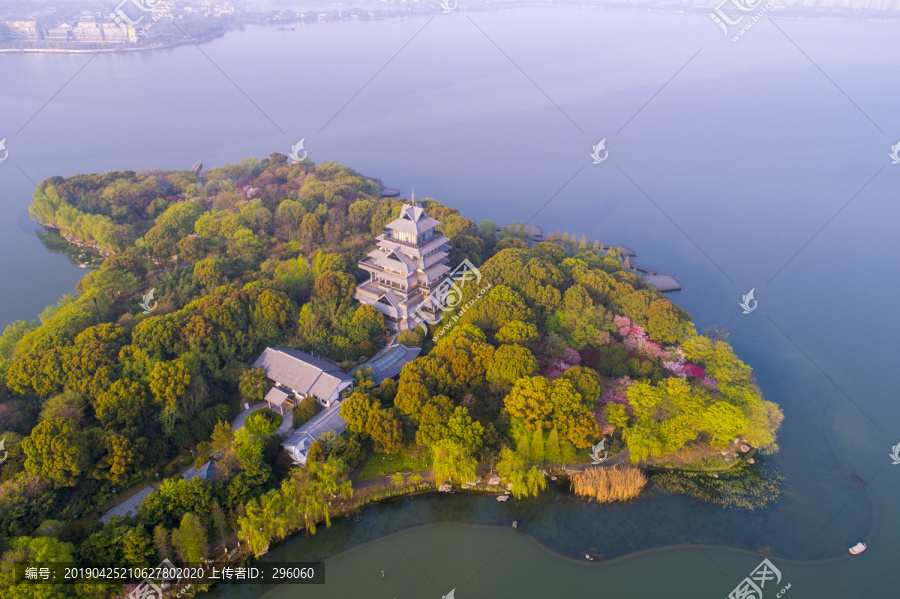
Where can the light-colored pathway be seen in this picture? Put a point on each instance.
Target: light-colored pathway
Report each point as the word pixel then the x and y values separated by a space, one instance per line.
pixel 283 429
pixel 242 417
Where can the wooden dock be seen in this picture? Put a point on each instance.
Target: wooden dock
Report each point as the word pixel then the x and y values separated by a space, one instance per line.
pixel 664 283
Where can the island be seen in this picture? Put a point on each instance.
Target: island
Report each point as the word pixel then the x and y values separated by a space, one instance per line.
pixel 261 347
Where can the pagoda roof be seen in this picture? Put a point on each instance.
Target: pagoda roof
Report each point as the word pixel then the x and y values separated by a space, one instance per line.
pixel 402 263
pixel 413 220
pixel 411 250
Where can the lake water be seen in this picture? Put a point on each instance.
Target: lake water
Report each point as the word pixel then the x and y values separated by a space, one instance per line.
pixel 760 164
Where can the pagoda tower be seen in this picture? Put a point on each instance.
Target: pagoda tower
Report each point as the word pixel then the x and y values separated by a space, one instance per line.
pixel 408 264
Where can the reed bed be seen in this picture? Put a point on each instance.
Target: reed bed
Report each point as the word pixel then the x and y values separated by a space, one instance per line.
pixel 618 483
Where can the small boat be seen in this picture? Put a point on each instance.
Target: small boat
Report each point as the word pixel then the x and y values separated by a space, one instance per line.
pixel 502 497
pixel 588 556
pixel 858 548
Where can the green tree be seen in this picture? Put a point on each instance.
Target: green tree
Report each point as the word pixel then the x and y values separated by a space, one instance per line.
pixel 529 401
pixel 120 460
pixel 516 331
pixel 254 472
pixel 433 420
pixel 169 381
pixel 218 518
pixel 367 324
pixel 222 436
pixel 537 446
pixel 523 481
pixel 37 550
pixel 126 407
pixel 209 272
pixel 616 415
pixel 162 542
pixel 356 410
pixel 385 428
pixel 119 541
pixel 307 408
pixel 57 451
pixel 511 363
pixel 254 384
pixel 68 404
pixel 316 453
pixel 763 421
pixel 25 502
pixel 465 431
pixel 452 462
pixel 551 448
pixel 192 533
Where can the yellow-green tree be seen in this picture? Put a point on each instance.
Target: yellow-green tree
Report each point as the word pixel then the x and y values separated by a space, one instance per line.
pixel 57 451
pixel 385 428
pixel 452 462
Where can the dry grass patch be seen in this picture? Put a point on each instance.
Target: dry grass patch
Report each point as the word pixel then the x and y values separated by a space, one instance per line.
pixel 618 483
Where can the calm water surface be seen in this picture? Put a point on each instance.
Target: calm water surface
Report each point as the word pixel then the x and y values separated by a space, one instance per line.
pixel 750 169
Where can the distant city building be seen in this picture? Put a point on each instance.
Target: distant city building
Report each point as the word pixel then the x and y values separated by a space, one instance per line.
pixel 61 34
pixel 20 31
pixel 410 262
pixel 114 34
pixel 88 32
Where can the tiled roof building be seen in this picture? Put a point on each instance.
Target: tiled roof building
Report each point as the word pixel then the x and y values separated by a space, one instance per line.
pixel 298 374
pixel 408 264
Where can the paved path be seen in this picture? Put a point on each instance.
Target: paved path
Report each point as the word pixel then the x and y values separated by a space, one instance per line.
pixel 239 421
pixel 129 506
pixel 283 429
pixel 287 424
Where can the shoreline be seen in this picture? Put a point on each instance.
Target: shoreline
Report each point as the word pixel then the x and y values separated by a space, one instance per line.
pixel 242 555
pixel 888 17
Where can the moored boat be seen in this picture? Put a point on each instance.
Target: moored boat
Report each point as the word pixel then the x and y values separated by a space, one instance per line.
pixel 858 548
